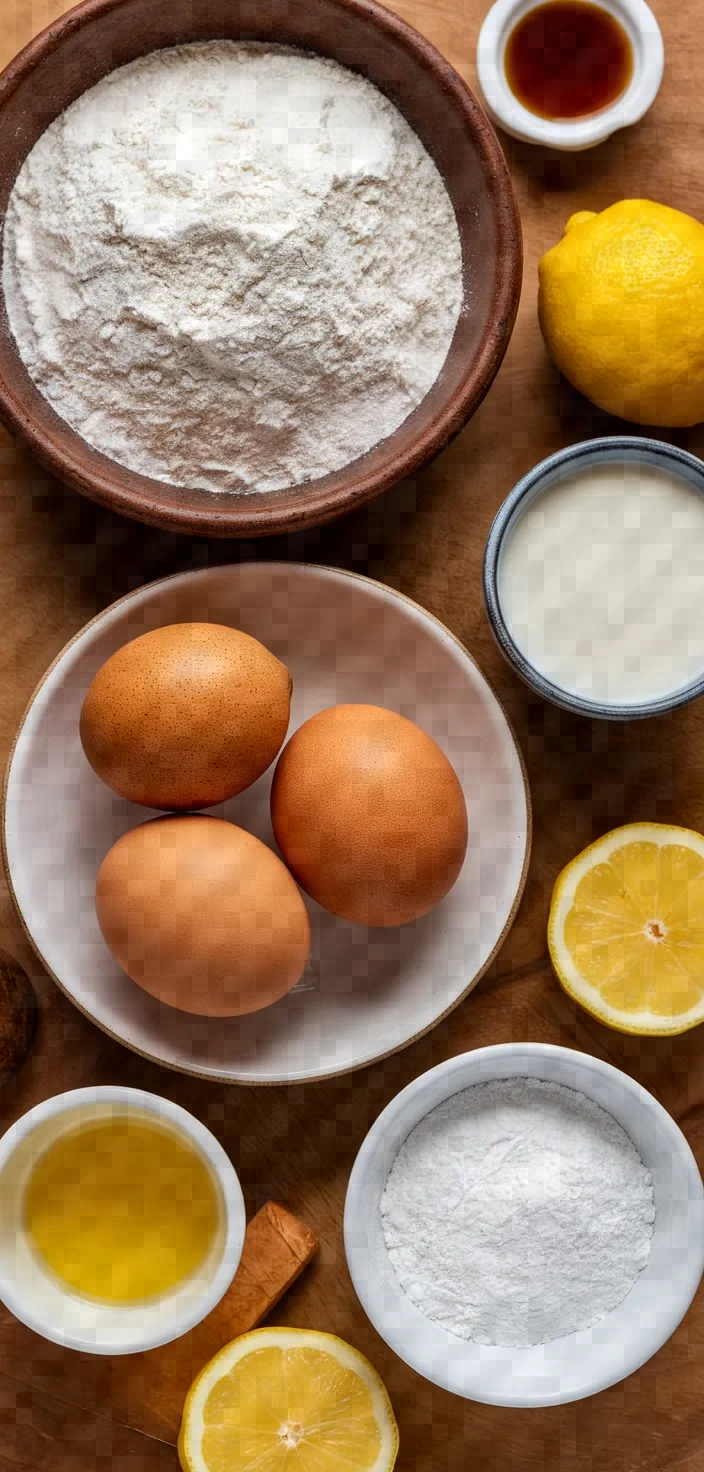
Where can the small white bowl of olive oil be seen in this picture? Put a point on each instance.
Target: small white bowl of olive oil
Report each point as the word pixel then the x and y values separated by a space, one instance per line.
pixel 121 1220
pixel 568 73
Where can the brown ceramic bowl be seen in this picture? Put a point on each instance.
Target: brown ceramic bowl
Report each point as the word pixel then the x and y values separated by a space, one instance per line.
pixel 99 35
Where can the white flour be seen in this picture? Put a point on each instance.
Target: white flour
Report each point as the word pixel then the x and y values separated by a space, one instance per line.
pixel 517 1211
pixel 232 266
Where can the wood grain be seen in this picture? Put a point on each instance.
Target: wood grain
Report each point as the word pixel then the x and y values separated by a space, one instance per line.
pixel 63 560
pixel 18 1017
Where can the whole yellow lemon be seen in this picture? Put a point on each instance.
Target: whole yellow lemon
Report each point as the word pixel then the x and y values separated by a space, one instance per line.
pixel 621 308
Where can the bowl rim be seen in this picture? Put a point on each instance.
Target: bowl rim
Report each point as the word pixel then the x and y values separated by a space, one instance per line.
pixel 570 134
pixel 196 1072
pixel 608 448
pixel 357 1205
pixel 63 452
pixel 205 1142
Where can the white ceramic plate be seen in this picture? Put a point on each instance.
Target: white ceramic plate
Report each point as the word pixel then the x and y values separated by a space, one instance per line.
pixel 575 1365
pixel 366 993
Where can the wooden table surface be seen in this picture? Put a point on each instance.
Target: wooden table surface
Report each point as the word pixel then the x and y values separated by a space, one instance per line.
pixel 63 560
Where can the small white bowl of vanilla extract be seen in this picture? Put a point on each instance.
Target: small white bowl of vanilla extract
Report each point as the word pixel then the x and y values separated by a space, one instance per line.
pixel 568 73
pixel 121 1220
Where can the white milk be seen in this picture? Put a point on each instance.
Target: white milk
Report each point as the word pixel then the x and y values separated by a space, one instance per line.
pixel 601 583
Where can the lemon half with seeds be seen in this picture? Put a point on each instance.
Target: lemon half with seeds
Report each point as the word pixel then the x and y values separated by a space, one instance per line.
pixel 626 929
pixel 290 1399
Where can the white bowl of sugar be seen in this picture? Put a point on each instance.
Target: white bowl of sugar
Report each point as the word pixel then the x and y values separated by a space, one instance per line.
pixel 576 1180
pixel 594 578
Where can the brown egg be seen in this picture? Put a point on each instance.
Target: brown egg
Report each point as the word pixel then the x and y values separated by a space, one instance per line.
pixel 186 716
pixel 369 815
pixel 203 916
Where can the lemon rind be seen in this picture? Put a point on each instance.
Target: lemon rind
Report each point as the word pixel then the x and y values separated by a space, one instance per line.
pixel 192 1426
pixel 643 1023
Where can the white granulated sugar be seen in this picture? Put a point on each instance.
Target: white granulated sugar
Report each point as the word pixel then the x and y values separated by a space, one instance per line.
pixel 517 1211
pixel 232 266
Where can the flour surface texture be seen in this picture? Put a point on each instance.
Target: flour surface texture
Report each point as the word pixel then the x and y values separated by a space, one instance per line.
pixel 232 266
pixel 516 1212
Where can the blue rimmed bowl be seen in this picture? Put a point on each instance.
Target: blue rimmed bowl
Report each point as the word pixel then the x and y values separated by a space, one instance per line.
pixel 617 450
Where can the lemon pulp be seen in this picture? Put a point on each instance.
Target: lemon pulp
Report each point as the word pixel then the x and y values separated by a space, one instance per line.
pixel 279 1399
pixel 121 1209
pixel 626 929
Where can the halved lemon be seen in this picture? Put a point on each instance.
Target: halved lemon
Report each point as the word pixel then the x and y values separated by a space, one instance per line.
pixel 626 929
pixel 289 1399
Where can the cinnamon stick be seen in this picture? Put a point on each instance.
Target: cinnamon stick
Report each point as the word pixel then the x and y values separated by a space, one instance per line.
pixel 147 1391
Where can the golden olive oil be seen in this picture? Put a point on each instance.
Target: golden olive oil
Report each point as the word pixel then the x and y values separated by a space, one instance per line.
pixel 121 1209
